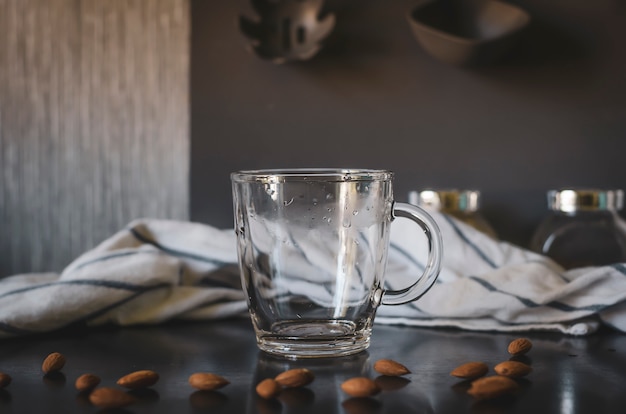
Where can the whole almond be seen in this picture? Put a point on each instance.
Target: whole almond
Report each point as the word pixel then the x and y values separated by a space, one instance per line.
pixel 207 381
pixel 268 388
pixel 53 362
pixel 110 398
pixel 520 346
pixel 390 368
pixel 87 382
pixel 5 379
pixel 297 377
pixel 360 387
pixel 470 370
pixel 513 369
pixel 138 379
pixel 491 387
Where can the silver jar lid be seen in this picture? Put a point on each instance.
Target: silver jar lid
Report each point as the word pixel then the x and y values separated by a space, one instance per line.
pixel 571 200
pixel 446 200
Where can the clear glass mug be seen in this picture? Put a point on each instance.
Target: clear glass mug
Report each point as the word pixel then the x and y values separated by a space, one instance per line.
pixel 312 246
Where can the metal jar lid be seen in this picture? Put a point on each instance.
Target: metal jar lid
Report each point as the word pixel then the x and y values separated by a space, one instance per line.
pixel 571 200
pixel 446 200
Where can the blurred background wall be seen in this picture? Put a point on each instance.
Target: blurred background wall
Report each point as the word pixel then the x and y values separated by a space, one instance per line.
pixel 552 114
pixel 112 110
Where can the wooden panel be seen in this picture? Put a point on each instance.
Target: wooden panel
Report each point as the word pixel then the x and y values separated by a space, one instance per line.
pixel 94 123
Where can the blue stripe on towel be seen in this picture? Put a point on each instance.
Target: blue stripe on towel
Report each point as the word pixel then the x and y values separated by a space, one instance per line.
pixel 463 237
pixel 568 308
pixel 112 256
pixel 114 305
pixel 407 255
pixel 527 302
pixel 93 282
pixel 173 252
pixel 531 304
pixel 620 267
pixel 137 292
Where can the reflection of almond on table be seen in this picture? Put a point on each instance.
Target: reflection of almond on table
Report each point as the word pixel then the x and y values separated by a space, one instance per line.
pixel 492 387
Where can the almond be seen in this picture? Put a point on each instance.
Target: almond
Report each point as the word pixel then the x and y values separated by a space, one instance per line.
pixel 491 387
pixel 360 387
pixel 138 379
pixel 207 381
pixel 513 369
pixel 87 382
pixel 268 388
pixel 470 370
pixel 110 398
pixel 520 346
pixel 5 379
pixel 53 362
pixel 298 377
pixel 390 368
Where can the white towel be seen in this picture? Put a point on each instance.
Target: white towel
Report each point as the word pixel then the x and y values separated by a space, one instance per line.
pixel 158 270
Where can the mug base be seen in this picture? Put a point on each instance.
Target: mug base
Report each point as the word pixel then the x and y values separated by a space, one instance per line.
pixel 314 339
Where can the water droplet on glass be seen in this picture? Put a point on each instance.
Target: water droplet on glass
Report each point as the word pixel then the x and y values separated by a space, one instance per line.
pixel 286 203
pixel 329 219
pixel 346 223
pixel 329 196
pixel 356 242
pixel 355 212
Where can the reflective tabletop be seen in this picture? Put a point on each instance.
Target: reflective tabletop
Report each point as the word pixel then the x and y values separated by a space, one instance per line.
pixel 570 374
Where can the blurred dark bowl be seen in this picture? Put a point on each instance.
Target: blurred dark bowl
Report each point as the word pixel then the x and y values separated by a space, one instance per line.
pixel 467 32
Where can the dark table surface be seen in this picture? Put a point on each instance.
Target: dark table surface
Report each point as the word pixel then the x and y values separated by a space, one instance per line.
pixel 570 374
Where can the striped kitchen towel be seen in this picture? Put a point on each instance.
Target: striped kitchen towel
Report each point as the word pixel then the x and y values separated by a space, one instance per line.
pixel 156 270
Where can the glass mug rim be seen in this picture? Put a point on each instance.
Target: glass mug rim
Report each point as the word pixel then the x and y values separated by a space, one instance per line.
pixel 277 175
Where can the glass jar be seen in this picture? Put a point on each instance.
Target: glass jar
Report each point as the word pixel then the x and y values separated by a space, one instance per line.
pixel 582 228
pixel 461 204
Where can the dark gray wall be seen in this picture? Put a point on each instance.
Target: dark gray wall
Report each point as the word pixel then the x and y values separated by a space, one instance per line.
pixel 552 114
pixel 94 123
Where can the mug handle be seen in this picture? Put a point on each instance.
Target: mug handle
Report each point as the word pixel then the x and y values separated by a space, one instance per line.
pixel 433 265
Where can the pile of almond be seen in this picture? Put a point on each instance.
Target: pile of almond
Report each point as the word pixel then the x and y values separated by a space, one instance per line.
pixel 111 397
pixel 503 383
pixel 356 387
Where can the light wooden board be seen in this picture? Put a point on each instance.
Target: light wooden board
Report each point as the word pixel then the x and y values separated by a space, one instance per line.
pixel 94 123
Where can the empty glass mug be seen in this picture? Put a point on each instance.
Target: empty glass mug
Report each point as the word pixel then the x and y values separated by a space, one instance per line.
pixel 312 247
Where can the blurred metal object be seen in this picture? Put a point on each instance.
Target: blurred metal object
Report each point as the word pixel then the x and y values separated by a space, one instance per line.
pixel 287 30
pixel 446 200
pixel 461 204
pixel 582 228
pixel 570 200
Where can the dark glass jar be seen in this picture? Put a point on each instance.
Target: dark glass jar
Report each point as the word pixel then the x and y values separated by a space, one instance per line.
pixel 461 204
pixel 582 228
